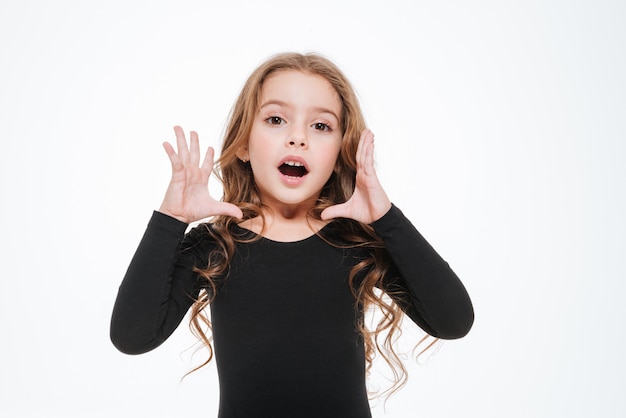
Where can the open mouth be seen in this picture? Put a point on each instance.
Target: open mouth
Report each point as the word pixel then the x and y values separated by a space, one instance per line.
pixel 293 169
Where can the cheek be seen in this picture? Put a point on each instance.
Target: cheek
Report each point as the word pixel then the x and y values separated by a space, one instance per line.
pixel 333 153
pixel 257 145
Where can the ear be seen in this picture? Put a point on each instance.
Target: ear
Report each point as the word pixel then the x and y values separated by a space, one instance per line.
pixel 243 154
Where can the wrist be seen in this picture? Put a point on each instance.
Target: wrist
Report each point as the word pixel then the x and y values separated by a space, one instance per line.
pixel 381 210
pixel 165 211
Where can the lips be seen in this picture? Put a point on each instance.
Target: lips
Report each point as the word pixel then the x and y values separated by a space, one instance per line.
pixel 293 167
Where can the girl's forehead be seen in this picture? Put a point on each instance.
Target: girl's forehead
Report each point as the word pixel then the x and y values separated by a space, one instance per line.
pixel 296 87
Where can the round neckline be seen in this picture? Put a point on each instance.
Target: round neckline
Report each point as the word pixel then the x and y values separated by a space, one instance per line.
pixel 272 241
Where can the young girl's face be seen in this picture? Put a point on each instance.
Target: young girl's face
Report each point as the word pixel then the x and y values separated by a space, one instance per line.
pixel 295 138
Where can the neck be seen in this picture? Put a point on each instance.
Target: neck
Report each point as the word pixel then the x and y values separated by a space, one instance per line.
pixel 283 222
pixel 288 212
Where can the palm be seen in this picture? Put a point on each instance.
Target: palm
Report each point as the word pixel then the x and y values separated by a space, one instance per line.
pixel 369 201
pixel 187 197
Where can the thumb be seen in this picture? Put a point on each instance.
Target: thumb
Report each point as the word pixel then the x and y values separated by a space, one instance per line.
pixel 228 209
pixel 335 211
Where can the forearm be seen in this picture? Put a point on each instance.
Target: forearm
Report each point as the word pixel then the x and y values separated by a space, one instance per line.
pixel 439 302
pixel 156 291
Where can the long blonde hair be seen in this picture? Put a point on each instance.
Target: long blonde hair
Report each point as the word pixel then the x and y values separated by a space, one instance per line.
pixel 240 189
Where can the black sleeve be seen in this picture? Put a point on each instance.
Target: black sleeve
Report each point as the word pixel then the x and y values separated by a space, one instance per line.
pixel 438 303
pixel 158 288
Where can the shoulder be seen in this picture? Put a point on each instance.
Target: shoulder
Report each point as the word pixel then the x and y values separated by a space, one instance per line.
pixel 352 237
pixel 201 238
pixel 211 234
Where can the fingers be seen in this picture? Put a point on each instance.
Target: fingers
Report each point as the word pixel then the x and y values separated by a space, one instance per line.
pixel 181 144
pixel 169 149
pixel 188 155
pixel 207 163
pixel 194 149
pixel 176 163
pixel 365 153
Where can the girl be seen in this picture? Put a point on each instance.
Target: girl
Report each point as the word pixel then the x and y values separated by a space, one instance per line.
pixel 303 241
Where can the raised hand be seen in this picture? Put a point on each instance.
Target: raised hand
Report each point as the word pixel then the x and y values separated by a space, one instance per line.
pixel 187 198
pixel 369 202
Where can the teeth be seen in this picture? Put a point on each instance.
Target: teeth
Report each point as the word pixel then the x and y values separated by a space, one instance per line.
pixel 294 163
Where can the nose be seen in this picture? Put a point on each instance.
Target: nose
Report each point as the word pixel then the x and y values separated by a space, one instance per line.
pixel 298 138
pixel 297 143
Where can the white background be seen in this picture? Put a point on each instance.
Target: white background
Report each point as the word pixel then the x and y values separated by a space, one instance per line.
pixel 500 131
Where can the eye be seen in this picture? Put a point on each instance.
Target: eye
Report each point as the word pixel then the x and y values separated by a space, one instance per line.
pixel 320 126
pixel 275 120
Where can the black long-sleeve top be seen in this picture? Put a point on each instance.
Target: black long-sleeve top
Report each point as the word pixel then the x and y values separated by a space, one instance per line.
pixel 284 320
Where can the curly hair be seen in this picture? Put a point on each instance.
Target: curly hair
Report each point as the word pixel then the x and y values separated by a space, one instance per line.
pixel 240 189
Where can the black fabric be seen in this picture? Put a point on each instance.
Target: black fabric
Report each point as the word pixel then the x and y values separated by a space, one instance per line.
pixel 284 319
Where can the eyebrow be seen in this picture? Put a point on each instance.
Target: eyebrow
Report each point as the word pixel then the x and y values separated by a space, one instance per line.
pixel 318 109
